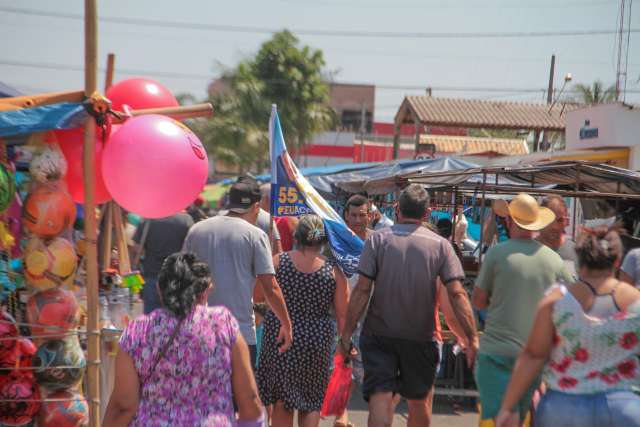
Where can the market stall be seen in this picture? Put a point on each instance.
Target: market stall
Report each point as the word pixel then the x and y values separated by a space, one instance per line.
pixel 61 156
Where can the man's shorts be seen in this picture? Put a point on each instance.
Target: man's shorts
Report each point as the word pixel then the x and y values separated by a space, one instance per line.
pixel 492 377
pixel 399 366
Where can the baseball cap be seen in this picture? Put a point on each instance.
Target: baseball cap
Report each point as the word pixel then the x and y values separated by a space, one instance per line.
pixel 243 195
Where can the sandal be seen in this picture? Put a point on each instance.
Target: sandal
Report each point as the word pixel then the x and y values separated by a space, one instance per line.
pixel 341 424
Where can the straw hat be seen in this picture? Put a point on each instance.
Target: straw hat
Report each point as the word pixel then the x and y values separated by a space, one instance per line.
pixel 525 212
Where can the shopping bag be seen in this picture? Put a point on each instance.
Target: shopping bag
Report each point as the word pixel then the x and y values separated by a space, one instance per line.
pixel 339 389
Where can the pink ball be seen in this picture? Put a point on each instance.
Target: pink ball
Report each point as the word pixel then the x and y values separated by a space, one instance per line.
pixel 139 94
pixel 154 166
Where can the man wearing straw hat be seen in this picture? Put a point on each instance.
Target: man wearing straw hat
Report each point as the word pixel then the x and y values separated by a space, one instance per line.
pixel 513 278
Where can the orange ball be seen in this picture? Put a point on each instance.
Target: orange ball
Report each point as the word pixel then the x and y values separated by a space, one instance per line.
pixel 53 307
pixel 71 413
pixel 49 264
pixel 48 210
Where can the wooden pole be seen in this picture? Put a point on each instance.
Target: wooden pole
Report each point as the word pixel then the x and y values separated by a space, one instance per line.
pixel 482 207
pixel 106 231
pixel 30 101
pixel 93 306
pixel 121 240
pixel 177 113
pixel 108 80
pixel 105 236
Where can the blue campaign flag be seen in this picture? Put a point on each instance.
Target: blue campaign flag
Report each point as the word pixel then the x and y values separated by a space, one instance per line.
pixel 292 195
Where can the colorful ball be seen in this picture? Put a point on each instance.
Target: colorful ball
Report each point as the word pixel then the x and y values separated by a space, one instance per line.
pixel 139 93
pixel 49 264
pixel 59 364
pixel 21 355
pixel 8 328
pixel 17 405
pixel 53 307
pixel 48 210
pixel 154 166
pixel 72 145
pixel 72 413
pixel 7 188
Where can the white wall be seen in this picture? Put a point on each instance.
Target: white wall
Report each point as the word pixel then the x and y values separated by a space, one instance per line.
pixel 616 125
pixel 343 139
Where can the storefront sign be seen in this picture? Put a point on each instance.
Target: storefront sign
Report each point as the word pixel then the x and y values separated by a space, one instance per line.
pixel 588 132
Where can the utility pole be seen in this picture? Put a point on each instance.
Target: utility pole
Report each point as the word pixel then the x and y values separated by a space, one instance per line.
pixel 623 51
pixel 363 129
pixel 552 71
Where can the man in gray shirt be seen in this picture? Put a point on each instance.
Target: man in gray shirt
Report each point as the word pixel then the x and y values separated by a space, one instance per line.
pixel 237 253
pixel 399 351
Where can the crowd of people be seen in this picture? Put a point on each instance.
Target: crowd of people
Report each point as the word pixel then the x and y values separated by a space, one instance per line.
pixel 560 332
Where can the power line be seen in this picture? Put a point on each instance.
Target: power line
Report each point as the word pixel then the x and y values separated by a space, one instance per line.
pixel 313 32
pixel 503 91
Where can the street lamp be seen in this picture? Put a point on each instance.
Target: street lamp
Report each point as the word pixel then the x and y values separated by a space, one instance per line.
pixel 567 78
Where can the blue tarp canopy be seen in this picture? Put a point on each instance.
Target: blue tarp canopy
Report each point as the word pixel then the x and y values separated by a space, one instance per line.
pixel 314 171
pixel 65 115
pixel 383 178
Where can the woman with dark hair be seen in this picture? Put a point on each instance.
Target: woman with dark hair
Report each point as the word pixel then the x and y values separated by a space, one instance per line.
pixel 180 364
pixel 312 287
pixel 585 337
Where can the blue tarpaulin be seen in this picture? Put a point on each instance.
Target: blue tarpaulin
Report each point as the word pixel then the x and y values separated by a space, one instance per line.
pixel 66 115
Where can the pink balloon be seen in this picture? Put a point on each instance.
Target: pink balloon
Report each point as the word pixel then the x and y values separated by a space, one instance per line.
pixel 140 93
pixel 154 166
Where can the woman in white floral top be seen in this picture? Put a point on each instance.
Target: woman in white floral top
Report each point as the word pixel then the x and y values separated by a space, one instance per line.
pixel 586 339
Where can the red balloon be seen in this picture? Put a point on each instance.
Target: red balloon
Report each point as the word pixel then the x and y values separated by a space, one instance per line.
pixel 139 94
pixel 71 143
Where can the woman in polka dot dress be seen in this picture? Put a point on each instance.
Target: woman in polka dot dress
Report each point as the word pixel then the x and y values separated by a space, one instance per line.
pixel 296 380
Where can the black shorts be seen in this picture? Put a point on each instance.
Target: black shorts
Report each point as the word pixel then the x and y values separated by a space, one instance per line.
pixel 399 366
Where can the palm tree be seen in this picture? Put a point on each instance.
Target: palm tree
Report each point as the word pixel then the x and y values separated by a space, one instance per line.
pixel 594 94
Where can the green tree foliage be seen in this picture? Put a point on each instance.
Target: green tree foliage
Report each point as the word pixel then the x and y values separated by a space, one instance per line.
pixel 594 94
pixel 282 73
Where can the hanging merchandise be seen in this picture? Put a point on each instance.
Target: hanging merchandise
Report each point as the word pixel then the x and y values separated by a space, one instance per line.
pixel 71 143
pixel 71 411
pixel 7 187
pixel 49 264
pixel 20 355
pixel 59 364
pixel 48 165
pixel 139 93
pixel 53 313
pixel 48 210
pixel 19 399
pixel 8 329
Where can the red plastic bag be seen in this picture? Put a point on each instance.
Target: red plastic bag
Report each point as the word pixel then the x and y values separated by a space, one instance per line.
pixel 339 389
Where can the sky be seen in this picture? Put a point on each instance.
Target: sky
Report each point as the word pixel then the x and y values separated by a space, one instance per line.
pixel 46 53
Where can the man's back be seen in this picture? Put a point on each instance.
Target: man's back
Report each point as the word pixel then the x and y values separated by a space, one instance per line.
pixel 164 237
pixel 236 252
pixel 404 261
pixel 515 273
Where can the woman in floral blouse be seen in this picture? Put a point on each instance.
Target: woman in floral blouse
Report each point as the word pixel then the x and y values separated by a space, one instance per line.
pixel 586 339
pixel 179 365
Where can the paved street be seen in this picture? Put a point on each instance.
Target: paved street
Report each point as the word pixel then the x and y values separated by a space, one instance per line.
pixel 444 414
